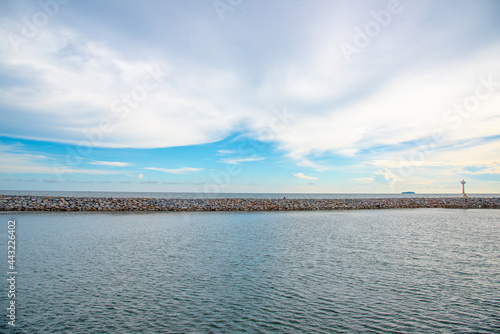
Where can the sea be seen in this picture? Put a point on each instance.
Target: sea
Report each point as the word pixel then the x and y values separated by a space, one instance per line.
pixel 366 271
pixel 191 195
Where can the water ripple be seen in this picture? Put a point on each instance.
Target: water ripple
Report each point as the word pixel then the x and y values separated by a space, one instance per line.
pixel 391 271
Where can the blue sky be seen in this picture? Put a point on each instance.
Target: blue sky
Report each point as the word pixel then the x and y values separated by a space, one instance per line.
pixel 250 96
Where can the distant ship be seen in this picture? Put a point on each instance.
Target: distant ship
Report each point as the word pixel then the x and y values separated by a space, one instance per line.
pixel 408 193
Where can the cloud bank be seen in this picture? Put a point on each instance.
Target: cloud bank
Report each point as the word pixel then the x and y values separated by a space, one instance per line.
pixel 174 74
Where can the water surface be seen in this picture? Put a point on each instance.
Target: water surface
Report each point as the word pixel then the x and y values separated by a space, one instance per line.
pixel 384 271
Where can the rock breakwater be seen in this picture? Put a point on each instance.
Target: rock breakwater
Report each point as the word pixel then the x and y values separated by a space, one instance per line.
pixel 42 203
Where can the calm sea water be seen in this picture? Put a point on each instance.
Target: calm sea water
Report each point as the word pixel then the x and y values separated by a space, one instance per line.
pixel 383 271
pixel 226 195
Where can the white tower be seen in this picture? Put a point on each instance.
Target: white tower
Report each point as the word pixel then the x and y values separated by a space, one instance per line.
pixel 463 188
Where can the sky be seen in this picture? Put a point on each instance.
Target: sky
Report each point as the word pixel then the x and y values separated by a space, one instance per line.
pixel 284 96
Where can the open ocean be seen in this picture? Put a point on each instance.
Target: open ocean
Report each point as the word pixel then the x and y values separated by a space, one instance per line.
pixel 380 271
pixel 227 195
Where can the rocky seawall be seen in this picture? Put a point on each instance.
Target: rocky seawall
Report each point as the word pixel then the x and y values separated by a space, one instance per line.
pixel 41 203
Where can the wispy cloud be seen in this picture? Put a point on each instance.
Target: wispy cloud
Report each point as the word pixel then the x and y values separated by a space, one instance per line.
pixel 303 162
pixel 182 170
pixel 18 180
pixel 110 163
pixel 302 176
pixel 239 161
pixel 26 163
pixel 492 169
pixel 478 157
pixel 184 183
pixel 222 152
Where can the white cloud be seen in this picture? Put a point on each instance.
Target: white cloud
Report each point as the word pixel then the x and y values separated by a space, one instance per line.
pixel 25 163
pixel 388 175
pixel 238 161
pixel 226 152
pixel 389 94
pixel 407 108
pixel 84 85
pixel 302 176
pixel 304 162
pixel 110 163
pixel 182 170
pixel 140 176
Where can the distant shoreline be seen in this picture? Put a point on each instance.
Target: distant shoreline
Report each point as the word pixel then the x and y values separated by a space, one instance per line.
pixel 47 203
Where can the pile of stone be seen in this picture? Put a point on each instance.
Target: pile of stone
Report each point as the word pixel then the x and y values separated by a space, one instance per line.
pixel 41 203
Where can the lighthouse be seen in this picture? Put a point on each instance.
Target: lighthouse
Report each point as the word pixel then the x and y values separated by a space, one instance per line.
pixel 463 189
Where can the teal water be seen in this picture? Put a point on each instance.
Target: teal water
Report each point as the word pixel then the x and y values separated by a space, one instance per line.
pixel 383 271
